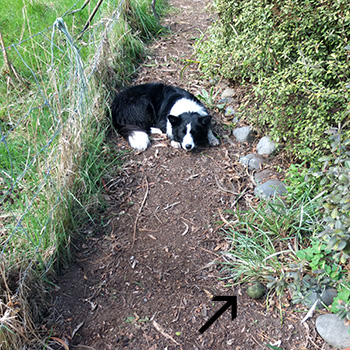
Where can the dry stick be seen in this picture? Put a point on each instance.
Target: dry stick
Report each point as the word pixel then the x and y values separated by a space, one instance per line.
pixel 7 61
pixel 139 212
pixel 82 8
pixel 91 17
pixel 223 188
pixel 166 335
pixel 239 197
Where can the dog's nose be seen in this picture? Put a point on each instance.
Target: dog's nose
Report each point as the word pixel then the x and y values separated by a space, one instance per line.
pixel 188 147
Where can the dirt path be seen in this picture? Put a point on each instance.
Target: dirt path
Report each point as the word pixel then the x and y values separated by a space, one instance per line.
pixel 143 277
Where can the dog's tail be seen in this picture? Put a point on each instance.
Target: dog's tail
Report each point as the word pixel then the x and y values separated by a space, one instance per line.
pixel 136 136
pixel 127 130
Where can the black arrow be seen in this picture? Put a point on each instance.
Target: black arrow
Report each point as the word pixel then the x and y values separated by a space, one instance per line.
pixel 231 301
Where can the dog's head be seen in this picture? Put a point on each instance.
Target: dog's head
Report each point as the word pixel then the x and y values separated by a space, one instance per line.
pixel 189 129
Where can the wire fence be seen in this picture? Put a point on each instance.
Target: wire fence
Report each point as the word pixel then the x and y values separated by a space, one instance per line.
pixel 47 103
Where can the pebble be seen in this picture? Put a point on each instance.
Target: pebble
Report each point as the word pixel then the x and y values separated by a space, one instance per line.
pixel 270 188
pixel 228 93
pixel 266 146
pixel 229 111
pixel 333 330
pixel 263 175
pixel 244 134
pixel 252 161
pixel 324 298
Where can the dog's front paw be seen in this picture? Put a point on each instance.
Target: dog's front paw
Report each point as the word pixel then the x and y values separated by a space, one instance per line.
pixel 213 141
pixel 175 144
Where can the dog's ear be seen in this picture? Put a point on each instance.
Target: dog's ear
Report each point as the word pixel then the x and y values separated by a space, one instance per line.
pixel 205 120
pixel 174 120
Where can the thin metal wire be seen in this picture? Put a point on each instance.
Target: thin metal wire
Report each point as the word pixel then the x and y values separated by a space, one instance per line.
pixel 64 56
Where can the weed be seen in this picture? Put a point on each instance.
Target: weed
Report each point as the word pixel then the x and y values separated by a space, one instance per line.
pixel 264 242
pixel 273 347
pixel 208 98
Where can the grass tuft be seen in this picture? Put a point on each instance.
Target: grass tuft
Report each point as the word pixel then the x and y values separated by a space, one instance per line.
pixel 264 240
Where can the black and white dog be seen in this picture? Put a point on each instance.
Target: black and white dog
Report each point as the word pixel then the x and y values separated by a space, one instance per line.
pixel 155 108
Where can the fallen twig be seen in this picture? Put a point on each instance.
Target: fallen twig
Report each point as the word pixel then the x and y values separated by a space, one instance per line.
pixel 310 312
pixel 239 197
pixel 139 212
pixel 192 177
pixel 93 13
pixel 171 205
pixel 185 232
pixel 224 220
pixel 77 328
pixel 223 188
pixel 166 335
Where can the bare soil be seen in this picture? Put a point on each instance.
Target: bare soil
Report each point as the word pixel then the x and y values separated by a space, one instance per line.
pixel 144 274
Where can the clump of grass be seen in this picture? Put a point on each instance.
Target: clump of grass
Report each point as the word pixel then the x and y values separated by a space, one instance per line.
pixel 264 241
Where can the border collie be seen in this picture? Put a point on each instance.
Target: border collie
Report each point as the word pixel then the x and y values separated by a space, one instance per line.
pixel 157 108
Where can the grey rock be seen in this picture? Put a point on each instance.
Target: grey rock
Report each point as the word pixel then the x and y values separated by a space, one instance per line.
pixel 228 93
pixel 227 100
pixel 263 175
pixel 252 161
pixel 270 188
pixel 235 119
pixel 214 80
pixel 328 296
pixel 266 146
pixel 333 330
pixel 229 111
pixel 244 134
pixel 324 298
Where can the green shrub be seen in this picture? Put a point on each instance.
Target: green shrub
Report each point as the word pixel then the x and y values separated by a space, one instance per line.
pixel 294 53
pixel 336 199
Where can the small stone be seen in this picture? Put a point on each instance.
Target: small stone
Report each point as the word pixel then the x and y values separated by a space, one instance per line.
pixel 244 134
pixel 333 330
pixel 256 290
pixel 252 161
pixel 324 298
pixel 235 119
pixel 266 146
pixel 262 176
pixel 214 80
pixel 328 296
pixel 229 111
pixel 270 188
pixel 228 93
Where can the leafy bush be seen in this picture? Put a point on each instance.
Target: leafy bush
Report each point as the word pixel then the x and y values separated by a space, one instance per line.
pixel 294 54
pixel 336 200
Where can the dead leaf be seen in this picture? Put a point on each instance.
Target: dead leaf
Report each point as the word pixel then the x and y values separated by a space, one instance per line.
pixel 64 343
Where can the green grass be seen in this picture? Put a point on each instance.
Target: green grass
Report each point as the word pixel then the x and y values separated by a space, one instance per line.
pixel 264 241
pixel 53 152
